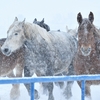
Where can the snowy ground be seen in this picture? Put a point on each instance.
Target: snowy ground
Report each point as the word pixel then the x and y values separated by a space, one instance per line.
pixel 5 91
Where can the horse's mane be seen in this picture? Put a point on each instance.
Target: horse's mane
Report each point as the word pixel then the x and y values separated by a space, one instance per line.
pixel 97 40
pixel 96 33
pixel 32 30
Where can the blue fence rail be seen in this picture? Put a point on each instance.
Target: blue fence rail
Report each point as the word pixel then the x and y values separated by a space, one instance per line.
pixel 32 80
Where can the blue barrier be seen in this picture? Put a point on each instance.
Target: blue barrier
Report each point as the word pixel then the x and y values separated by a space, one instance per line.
pixel 32 80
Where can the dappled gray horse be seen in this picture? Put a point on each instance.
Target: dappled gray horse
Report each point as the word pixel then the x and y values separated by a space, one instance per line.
pixel 46 54
pixel 7 64
pixel 42 24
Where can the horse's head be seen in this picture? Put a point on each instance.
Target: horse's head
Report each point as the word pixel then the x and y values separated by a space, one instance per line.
pixel 15 38
pixel 41 24
pixel 86 34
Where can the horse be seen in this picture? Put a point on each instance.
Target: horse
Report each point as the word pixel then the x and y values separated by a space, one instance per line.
pixel 42 24
pixel 7 64
pixel 87 58
pixel 46 54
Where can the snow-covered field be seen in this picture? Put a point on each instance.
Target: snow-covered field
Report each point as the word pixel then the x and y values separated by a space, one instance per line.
pixel 57 14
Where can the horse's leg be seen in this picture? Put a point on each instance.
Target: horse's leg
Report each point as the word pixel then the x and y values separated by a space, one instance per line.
pixel 60 84
pixel 49 86
pixel 87 90
pixel 50 89
pixel 11 75
pixel 28 74
pixel 15 92
pixel 68 89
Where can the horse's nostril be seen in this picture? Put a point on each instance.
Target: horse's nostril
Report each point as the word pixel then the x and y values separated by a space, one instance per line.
pixel 6 50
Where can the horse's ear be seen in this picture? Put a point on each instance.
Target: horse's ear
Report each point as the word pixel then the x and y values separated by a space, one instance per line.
pixel 23 22
pixel 35 20
pixel 91 17
pixel 42 20
pixel 16 19
pixel 79 18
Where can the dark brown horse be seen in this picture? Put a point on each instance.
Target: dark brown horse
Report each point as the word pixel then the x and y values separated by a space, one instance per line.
pixel 7 64
pixel 87 59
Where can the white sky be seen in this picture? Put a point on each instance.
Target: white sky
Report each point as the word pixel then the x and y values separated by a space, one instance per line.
pixel 57 13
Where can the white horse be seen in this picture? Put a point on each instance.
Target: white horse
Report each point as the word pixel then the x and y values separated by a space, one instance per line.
pixel 46 54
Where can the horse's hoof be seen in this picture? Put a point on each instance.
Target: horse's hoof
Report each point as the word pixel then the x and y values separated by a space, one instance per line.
pixel 51 97
pixel 14 98
pixel 36 95
pixel 14 94
pixel 67 95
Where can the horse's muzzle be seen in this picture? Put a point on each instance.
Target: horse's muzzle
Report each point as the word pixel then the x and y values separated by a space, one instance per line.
pixel 86 50
pixel 6 51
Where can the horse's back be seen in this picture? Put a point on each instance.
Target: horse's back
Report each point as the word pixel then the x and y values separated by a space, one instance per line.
pixel 65 47
pixel 63 40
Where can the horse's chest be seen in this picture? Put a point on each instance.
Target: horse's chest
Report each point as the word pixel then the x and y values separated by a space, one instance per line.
pixel 87 66
pixel 38 60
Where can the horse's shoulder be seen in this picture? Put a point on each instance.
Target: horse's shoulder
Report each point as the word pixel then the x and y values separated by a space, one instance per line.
pixel 96 32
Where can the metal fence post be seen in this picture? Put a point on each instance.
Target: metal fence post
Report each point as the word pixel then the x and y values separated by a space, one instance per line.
pixel 83 90
pixel 32 91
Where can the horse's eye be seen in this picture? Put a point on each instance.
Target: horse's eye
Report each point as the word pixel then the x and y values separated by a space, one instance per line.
pixel 16 33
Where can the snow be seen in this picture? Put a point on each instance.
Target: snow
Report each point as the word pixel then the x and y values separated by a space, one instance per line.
pixel 57 14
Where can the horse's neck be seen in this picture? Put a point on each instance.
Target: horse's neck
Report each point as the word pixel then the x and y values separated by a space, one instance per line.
pixel 97 41
pixel 36 37
pixel 35 31
pixel 96 32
